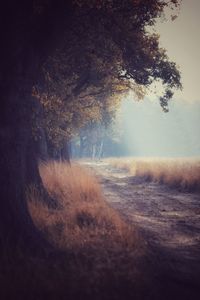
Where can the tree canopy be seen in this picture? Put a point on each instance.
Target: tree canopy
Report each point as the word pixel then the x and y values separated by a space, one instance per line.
pixel 105 49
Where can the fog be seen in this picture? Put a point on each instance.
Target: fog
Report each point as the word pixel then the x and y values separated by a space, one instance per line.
pixel 148 131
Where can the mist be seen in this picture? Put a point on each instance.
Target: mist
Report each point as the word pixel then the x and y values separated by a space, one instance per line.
pixel 148 131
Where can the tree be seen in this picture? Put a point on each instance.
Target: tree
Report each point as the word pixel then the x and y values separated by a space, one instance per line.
pixel 103 43
pixel 24 33
pixel 115 51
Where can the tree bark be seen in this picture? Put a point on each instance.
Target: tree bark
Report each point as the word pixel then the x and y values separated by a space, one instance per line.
pixel 18 165
pixel 18 154
pixel 65 152
pixel 27 36
pixel 42 146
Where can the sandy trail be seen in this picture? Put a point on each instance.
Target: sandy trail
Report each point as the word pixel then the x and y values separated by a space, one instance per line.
pixel 168 220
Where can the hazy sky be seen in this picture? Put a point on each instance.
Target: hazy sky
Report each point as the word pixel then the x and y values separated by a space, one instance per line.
pixel 182 40
pixel 150 132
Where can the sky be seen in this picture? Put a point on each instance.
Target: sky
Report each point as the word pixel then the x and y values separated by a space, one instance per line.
pixel 149 131
pixel 181 38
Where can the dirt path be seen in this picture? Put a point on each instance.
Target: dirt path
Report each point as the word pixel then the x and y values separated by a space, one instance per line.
pixel 169 222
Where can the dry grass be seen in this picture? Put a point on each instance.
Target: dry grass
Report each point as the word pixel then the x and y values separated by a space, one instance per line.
pixel 181 173
pixel 85 217
pixel 95 256
pixel 102 256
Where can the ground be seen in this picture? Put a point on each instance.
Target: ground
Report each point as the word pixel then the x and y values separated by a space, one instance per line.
pixel 169 222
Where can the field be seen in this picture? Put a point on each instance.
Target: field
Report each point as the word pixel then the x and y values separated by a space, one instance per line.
pixel 96 255
pixel 112 236
pixel 180 173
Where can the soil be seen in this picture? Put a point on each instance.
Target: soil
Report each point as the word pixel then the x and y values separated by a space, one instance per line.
pixel 169 222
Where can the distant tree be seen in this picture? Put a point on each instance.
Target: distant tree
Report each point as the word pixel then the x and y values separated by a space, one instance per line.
pixel 93 133
pixel 103 43
pixel 66 105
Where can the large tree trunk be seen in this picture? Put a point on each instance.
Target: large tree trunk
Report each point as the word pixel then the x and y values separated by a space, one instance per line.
pixel 60 154
pixel 53 151
pixel 27 35
pixel 18 165
pixel 18 153
pixel 65 152
pixel 42 149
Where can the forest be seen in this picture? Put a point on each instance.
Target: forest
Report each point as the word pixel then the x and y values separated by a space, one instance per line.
pixel 65 68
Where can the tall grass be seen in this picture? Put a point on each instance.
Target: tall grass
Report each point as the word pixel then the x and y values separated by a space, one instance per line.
pixel 181 173
pixel 96 254
pixel 85 218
